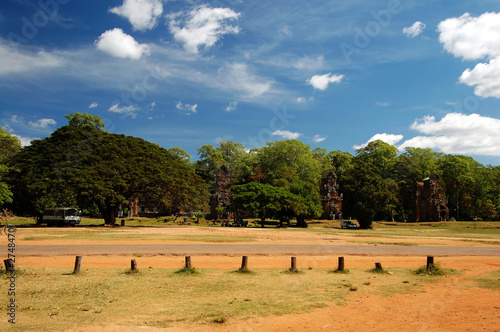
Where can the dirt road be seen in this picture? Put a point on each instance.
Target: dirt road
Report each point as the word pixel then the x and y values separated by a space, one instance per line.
pixel 251 249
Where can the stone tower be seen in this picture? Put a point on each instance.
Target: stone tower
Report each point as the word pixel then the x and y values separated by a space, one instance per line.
pixel 331 200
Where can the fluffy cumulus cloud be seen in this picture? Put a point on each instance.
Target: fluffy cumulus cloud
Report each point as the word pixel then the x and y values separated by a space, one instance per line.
pixel 485 77
pixel 388 138
pixel 286 134
pixel 42 123
pixel 416 29
pixel 457 133
pixel 187 108
pixel 118 44
pixel 471 37
pixel 142 14
pixel 202 26
pixel 321 82
pixel 26 141
pixel 474 38
pixel 318 138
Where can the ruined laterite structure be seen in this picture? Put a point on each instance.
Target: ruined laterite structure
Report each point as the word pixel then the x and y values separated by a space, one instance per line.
pixel 222 194
pixel 331 199
pixel 430 203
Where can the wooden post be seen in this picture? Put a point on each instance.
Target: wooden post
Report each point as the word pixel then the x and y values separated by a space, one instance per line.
pixel 188 262
pixel 244 262
pixel 123 222
pixel 9 265
pixel 133 265
pixel 430 262
pixel 294 264
pixel 378 266
pixel 78 264
pixel 341 264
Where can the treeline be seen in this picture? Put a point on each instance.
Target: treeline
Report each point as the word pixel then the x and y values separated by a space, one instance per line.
pixel 83 165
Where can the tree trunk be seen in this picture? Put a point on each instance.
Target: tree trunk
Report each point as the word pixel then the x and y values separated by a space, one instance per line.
pixel 109 214
pixel 262 221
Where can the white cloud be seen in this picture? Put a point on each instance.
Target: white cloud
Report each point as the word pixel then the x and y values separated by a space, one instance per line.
pixel 308 63
pixel 142 14
pixel 118 44
pixel 237 76
pixel 188 108
pixel 383 103
pixel 475 38
pixel 471 37
pixel 321 82
pixel 416 29
pixel 25 141
pixel 388 138
pixel 203 26
pixel 286 134
pixel 232 106
pixel 14 61
pixel 127 110
pixel 458 133
pixel 486 78
pixel 42 123
pixel 93 105
pixel 318 138
pixel 300 100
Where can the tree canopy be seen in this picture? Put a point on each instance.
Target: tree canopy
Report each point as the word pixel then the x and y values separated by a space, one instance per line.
pixel 89 167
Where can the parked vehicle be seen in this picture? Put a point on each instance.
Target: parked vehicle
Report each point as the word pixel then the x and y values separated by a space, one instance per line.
pixel 348 224
pixel 61 217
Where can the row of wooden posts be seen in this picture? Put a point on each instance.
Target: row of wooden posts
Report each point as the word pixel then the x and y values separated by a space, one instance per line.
pixel 10 266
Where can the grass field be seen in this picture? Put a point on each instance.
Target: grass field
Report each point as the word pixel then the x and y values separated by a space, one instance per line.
pixel 54 299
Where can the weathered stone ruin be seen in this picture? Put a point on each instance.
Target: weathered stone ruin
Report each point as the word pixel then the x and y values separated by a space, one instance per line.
pixel 331 200
pixel 222 195
pixel 430 203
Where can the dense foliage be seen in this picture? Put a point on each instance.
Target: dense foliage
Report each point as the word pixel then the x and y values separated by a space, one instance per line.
pixel 87 167
pixel 82 165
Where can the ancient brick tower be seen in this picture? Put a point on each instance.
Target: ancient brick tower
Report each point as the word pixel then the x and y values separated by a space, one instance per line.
pixel 430 203
pixel 222 194
pixel 331 200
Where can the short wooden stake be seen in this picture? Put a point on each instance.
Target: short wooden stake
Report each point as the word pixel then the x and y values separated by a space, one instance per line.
pixel 78 264
pixel 378 266
pixel 294 264
pixel 244 262
pixel 341 264
pixel 133 265
pixel 430 262
pixel 9 265
pixel 123 222
pixel 188 262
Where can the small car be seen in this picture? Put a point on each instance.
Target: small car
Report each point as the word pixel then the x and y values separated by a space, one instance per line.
pixel 348 224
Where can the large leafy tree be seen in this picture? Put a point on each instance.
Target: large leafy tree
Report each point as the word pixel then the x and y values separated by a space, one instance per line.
pixel 85 119
pixel 9 146
pixel 370 191
pixel 83 165
pixel 229 154
pixel 266 201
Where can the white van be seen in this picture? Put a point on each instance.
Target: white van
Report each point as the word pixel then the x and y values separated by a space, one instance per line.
pixel 61 217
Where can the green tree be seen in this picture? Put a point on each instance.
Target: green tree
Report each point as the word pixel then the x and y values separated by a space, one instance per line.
pixel 85 119
pixel 266 201
pixel 9 146
pixel 89 167
pixel 230 154
pixel 370 191
pixel 182 154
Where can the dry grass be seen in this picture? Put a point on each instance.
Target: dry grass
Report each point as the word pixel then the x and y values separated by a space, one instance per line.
pixel 54 299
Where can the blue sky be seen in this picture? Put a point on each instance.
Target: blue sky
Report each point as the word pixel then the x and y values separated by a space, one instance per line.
pixel 334 74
